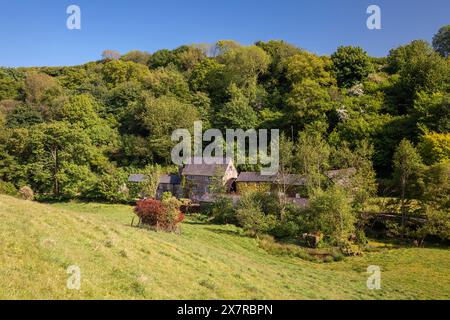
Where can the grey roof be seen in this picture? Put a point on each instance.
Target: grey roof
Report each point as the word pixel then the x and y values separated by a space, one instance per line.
pixel 209 167
pixel 164 178
pixel 137 178
pixel 254 177
pixel 170 179
pixel 290 179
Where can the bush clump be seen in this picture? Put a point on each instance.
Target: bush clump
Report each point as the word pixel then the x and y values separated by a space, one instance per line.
pixel 257 213
pixel 7 188
pixel 222 211
pixel 26 193
pixel 162 215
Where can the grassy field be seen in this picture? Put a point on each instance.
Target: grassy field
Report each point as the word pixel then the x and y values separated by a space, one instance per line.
pixel 39 242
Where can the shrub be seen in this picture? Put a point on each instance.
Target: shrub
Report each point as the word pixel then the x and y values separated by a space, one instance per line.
pixel 109 187
pixel 255 221
pixel 437 223
pixel 291 225
pixel 173 213
pixel 26 193
pixel 222 211
pixel 332 214
pixel 7 188
pixel 253 214
pixel 348 248
pixel 161 215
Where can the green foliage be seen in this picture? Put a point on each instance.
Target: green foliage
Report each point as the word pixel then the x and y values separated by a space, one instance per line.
pixel 11 83
pixel 74 132
pixel 187 57
pixel 243 64
pixel 258 213
pixel 253 219
pixel 362 184
pixel 307 102
pixel 109 186
pixel 407 162
pixel 437 224
pixel 279 51
pixel 432 111
pixel 441 41
pixel 161 116
pixel 237 112
pixel 167 81
pixel 352 65
pixel 7 188
pixel 116 72
pixel 39 86
pixel 420 69
pixel 222 211
pixel 161 58
pixel 436 186
pixel 332 214
pixel 81 109
pixel 122 98
pixel 152 175
pixel 305 65
pixel 137 57
pixel 57 148
pixel 23 116
pixel 435 147
pixel 313 155
pixel 205 76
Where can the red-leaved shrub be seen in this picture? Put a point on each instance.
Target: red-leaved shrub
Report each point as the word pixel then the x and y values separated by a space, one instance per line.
pixel 161 215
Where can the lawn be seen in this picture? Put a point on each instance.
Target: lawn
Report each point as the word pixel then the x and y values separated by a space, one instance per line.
pixel 39 242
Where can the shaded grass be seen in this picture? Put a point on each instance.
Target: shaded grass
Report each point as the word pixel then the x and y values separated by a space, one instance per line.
pixel 38 242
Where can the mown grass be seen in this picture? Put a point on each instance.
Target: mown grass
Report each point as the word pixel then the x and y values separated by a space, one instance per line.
pixel 39 242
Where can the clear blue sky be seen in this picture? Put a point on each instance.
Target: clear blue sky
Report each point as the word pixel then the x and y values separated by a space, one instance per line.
pixel 34 33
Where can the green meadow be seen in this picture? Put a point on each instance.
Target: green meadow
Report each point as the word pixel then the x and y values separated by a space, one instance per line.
pixel 39 242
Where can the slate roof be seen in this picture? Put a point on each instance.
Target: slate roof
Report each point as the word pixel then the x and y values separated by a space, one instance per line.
pixel 208 168
pixel 340 176
pixel 165 178
pixel 254 177
pixel 170 179
pixel 290 179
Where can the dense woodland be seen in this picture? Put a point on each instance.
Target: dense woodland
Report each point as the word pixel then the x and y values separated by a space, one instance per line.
pixel 77 132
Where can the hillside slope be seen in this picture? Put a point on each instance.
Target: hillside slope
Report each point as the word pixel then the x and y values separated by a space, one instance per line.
pixel 39 242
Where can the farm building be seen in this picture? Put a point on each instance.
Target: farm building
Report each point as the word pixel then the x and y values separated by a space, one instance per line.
pixel 169 183
pixel 293 185
pixel 203 175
